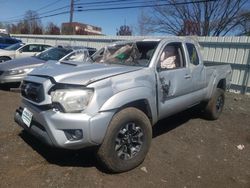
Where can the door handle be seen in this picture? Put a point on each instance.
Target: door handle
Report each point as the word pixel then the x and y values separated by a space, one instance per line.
pixel 187 76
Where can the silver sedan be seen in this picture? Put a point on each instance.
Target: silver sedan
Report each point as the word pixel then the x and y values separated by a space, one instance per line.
pixel 13 72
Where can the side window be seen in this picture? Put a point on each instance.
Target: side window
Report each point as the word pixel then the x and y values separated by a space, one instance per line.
pixel 25 48
pixel 193 55
pixel 172 56
pixel 77 56
pixel 98 56
pixel 44 47
pixel 31 48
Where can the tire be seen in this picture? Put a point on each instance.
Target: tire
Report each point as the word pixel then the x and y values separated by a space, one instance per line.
pixel 2 59
pixel 126 142
pixel 215 105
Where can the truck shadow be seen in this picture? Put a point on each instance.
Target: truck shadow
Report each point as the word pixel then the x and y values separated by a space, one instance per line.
pixel 86 157
pixel 61 157
pixel 172 122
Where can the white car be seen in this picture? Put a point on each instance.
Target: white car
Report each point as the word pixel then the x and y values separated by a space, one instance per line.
pixel 21 50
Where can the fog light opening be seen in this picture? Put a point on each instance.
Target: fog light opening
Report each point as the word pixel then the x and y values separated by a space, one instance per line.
pixel 73 134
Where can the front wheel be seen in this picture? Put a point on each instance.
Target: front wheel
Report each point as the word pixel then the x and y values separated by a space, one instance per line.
pixel 215 105
pixel 127 140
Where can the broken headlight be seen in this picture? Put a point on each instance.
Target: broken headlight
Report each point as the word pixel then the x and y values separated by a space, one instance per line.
pixel 72 100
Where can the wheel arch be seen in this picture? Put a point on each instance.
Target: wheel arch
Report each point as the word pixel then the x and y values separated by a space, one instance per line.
pixel 142 100
pixel 6 57
pixel 222 84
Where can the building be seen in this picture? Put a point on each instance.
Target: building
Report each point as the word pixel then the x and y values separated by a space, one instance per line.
pixel 76 28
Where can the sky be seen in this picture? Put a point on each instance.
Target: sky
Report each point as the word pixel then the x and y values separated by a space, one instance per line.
pixel 108 20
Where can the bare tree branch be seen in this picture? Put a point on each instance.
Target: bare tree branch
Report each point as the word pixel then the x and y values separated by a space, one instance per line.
pixel 200 18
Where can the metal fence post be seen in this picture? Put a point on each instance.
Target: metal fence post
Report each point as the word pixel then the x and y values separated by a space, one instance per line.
pixel 247 73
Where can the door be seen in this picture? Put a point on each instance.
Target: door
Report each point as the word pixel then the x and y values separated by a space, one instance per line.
pixel 196 69
pixel 28 50
pixel 174 81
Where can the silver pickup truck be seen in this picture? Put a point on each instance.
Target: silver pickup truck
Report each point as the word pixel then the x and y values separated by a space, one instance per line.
pixel 113 100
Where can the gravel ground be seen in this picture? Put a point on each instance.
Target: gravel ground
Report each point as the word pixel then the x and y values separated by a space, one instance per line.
pixel 186 151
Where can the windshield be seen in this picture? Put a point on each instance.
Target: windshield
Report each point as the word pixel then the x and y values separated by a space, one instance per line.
pixel 14 46
pixel 53 54
pixel 131 54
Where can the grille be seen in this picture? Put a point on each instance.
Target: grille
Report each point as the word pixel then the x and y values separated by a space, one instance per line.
pixel 32 91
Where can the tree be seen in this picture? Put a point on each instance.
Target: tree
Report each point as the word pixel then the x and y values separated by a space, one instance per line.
pixel 245 23
pixel 206 18
pixel 124 31
pixel 142 24
pixel 2 26
pixel 32 23
pixel 52 29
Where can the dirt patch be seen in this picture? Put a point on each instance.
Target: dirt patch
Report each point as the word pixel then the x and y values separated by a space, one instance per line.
pixel 186 151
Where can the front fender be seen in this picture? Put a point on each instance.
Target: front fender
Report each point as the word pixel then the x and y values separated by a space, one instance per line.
pixel 130 95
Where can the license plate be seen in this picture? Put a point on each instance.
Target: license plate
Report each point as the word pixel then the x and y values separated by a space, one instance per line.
pixel 27 117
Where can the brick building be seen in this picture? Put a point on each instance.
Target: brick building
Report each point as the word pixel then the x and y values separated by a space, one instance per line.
pixel 76 28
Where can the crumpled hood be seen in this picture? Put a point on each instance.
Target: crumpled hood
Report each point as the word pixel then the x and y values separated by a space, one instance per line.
pixel 26 62
pixel 80 73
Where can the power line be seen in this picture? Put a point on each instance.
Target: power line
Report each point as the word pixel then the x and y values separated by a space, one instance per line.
pixel 48 5
pixel 146 6
pixel 118 8
pixel 96 3
pixel 116 3
pixel 106 2
pixel 14 18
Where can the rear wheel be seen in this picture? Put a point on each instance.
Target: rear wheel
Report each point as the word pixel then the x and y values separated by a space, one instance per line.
pixel 127 140
pixel 215 105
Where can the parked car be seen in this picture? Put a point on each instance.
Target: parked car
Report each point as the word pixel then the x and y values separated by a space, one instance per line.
pixel 4 34
pixel 114 102
pixel 7 41
pixel 12 72
pixel 21 50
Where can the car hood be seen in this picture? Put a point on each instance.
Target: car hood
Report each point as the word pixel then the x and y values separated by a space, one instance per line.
pixel 80 73
pixel 7 52
pixel 27 62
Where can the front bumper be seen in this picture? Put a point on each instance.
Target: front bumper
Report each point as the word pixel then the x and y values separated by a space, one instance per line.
pixel 49 126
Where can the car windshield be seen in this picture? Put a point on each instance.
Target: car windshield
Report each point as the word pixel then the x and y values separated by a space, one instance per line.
pixel 14 46
pixel 130 53
pixel 53 54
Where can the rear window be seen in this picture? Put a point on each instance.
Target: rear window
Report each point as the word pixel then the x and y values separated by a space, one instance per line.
pixel 10 41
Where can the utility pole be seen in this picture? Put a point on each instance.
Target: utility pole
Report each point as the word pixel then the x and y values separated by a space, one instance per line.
pixel 71 11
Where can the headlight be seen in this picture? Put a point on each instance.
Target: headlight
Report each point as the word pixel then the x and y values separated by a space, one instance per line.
pixel 20 71
pixel 72 100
